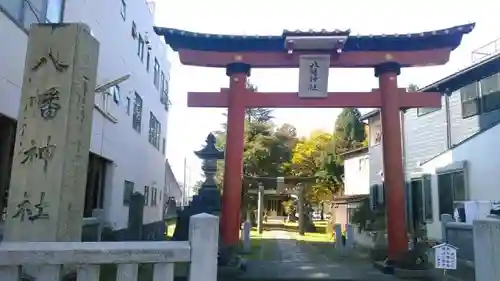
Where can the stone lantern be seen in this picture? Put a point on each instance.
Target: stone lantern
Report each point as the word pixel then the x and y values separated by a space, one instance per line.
pixel 208 192
pixel 208 199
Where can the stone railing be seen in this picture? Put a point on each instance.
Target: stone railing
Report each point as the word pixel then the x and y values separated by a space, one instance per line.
pixel 487 249
pixel 49 257
pixel 461 236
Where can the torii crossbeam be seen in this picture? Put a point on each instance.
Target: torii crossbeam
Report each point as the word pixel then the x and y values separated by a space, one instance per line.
pixel 252 99
pixel 314 53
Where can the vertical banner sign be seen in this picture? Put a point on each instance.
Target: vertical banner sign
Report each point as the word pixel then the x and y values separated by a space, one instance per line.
pixel 313 76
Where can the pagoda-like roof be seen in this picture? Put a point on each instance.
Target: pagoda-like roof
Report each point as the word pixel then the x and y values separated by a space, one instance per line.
pixel 449 38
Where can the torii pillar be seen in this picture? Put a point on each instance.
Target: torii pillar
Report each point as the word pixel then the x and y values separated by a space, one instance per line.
pixel 389 98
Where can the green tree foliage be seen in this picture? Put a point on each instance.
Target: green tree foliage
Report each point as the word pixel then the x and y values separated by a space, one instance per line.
pixel 197 185
pixel 267 146
pixel 315 157
pixel 349 130
pixel 273 151
pixel 412 87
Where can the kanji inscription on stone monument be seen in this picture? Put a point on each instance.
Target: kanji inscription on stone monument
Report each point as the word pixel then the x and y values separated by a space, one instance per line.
pixel 46 198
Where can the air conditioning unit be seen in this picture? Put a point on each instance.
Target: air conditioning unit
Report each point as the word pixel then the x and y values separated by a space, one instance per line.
pixel 468 211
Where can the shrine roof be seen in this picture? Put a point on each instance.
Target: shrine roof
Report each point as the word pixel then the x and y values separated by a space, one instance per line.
pixel 443 38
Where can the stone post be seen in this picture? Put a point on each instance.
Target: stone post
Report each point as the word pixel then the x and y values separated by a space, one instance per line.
pixel 339 246
pixel 486 249
pixel 445 219
pixel 260 208
pixel 300 208
pixel 349 243
pixel 49 167
pixel 204 240
pixel 99 215
pixel 135 217
pixel 247 225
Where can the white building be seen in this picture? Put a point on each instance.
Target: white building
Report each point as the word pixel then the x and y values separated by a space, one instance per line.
pixel 450 151
pixel 172 187
pixel 356 184
pixel 130 121
pixel 356 172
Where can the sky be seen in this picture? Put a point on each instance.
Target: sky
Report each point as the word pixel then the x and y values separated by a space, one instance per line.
pixel 188 127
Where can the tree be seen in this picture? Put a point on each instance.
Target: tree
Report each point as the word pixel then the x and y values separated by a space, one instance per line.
pixel 254 115
pixel 197 185
pixel 267 147
pixel 314 157
pixel 412 87
pixel 349 130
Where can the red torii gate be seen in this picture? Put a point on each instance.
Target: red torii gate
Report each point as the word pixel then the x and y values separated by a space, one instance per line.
pixel 387 54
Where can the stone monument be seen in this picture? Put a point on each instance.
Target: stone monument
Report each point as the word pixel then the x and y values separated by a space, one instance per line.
pixel 49 167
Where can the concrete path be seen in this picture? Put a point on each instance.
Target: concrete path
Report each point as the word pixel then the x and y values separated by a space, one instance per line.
pixel 299 260
pixel 289 250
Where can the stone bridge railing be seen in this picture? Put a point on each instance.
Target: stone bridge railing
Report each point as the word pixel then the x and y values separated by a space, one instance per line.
pixel 49 257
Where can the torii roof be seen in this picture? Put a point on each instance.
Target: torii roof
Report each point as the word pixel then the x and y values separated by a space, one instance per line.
pixel 437 39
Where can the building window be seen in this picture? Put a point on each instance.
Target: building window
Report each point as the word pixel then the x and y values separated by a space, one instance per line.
pixel 164 90
pixel 427 188
pixel 481 97
pixel 156 74
pixel 154 131
pixel 127 110
pixel 490 93
pixel 137 117
pixel 95 186
pixel 140 48
pixel 163 146
pixel 146 195
pixel 26 12
pixel 451 188
pixel 115 93
pixel 128 189
pixel 470 100
pixel 350 213
pixel 162 84
pixel 123 9
pixel 421 199
pixel 153 196
pixel 362 163
pixel 148 60
pixel 134 30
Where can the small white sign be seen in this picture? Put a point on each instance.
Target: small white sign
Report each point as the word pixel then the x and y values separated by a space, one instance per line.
pixel 313 76
pixel 445 256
